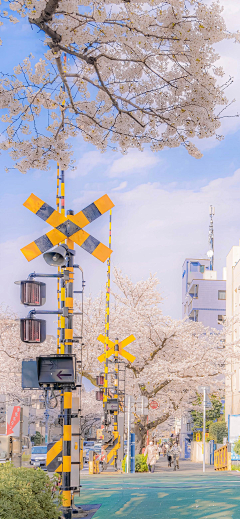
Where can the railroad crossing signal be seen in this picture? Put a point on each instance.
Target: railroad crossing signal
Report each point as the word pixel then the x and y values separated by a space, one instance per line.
pixel 67 227
pixel 121 351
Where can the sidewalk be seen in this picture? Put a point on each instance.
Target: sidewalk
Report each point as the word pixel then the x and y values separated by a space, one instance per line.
pixel 186 466
pixel 165 494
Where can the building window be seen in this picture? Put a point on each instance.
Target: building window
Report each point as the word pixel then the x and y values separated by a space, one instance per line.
pixel 221 319
pixel 222 294
pixel 202 268
pixel 194 267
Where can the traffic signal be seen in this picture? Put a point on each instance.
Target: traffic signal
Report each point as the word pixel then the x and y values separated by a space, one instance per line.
pixel 32 293
pixel 100 380
pixel 32 330
pixel 99 395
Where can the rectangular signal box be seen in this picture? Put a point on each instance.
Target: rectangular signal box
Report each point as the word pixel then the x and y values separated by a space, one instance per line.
pixel 112 405
pixel 29 375
pixel 57 370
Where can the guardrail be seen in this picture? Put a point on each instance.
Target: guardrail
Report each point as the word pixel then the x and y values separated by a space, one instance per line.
pixel 93 463
pixel 222 458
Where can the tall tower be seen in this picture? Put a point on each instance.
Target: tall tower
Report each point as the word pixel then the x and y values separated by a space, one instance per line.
pixel 210 253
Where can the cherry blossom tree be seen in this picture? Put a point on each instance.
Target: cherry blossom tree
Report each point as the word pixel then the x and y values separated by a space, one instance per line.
pixel 91 411
pixel 173 357
pixel 122 73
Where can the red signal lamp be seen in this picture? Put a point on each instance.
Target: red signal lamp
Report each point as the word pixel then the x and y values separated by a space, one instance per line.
pixel 32 293
pixel 99 395
pixel 32 330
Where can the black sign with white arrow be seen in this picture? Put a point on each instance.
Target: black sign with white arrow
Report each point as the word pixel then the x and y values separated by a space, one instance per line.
pixel 58 370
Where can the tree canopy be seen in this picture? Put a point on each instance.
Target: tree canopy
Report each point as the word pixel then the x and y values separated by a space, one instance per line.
pixel 121 73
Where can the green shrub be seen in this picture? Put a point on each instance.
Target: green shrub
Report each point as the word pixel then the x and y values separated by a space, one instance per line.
pixel 141 463
pixel 235 467
pixel 26 493
pixel 124 463
pixel 37 438
pixel 236 447
pixel 218 431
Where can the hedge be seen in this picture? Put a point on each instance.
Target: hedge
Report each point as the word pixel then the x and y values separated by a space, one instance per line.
pixel 26 493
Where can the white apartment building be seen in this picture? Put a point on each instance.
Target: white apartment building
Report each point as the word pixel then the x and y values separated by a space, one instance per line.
pixel 232 383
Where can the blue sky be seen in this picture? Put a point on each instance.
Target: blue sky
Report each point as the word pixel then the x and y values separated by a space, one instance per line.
pixel 161 199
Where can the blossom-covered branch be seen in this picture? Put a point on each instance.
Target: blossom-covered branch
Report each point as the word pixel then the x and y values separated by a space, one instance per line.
pixel 136 74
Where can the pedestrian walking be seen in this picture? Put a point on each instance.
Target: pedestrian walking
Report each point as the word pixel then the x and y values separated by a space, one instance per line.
pixel 164 449
pixel 176 451
pixel 169 456
pixel 151 452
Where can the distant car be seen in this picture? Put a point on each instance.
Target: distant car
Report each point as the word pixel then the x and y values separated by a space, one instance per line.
pixel 39 456
pixel 88 443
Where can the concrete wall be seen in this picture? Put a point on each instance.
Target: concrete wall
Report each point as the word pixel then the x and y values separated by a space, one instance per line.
pixel 196 452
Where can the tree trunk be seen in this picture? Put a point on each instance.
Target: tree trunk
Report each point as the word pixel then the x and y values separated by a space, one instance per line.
pixel 140 431
pixel 141 428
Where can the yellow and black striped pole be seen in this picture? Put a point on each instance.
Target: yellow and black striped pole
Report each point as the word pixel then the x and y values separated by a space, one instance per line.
pixel 66 469
pixel 115 425
pixel 59 270
pixel 67 393
pixel 105 393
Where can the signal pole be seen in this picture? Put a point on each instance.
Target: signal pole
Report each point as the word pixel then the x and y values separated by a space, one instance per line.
pixel 106 346
pixel 115 424
pixel 67 395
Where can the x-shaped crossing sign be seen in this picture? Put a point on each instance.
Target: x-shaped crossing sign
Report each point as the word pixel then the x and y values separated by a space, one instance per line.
pixel 121 351
pixel 67 227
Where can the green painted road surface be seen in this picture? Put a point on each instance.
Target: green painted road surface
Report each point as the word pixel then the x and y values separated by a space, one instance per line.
pixel 164 495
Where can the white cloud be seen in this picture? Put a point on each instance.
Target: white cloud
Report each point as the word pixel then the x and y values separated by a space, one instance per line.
pixel 132 161
pixel 88 162
pixel 120 187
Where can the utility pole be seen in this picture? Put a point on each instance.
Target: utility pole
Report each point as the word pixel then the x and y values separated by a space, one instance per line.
pixel 206 404
pixel 21 435
pixel 128 433
pixel 204 426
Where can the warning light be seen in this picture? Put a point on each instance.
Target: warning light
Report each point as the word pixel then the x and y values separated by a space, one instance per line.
pixel 99 395
pixel 32 330
pixel 32 293
pixel 100 380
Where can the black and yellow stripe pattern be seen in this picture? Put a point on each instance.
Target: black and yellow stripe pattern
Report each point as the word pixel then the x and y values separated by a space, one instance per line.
pixel 67 227
pixel 54 457
pixel 67 434
pixel 111 449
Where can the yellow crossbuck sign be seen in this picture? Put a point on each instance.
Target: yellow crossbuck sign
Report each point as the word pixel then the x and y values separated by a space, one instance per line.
pixel 121 350
pixel 67 227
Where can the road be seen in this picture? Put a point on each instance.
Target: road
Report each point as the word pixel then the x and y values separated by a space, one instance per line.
pixel 187 493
